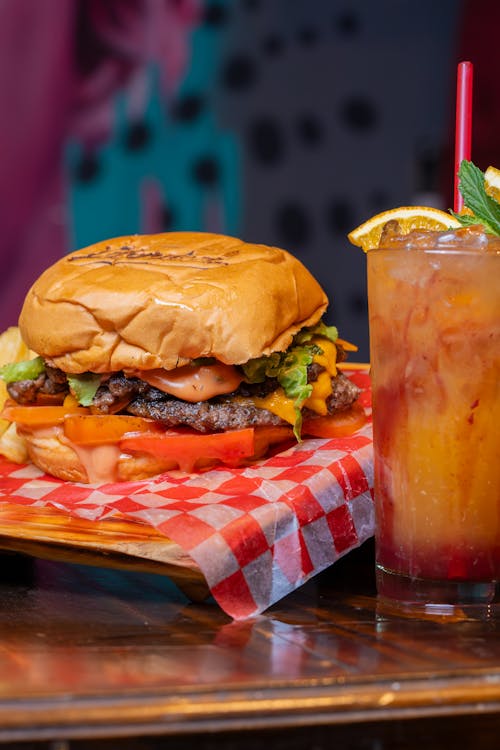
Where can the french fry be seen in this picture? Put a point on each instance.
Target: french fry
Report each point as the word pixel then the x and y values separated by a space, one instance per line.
pixel 13 446
pixel 12 349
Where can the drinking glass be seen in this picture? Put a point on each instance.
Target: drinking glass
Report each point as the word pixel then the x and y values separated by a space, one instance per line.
pixel 434 310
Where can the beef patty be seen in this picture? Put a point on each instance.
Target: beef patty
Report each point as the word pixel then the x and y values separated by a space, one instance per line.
pixel 230 413
pixel 119 394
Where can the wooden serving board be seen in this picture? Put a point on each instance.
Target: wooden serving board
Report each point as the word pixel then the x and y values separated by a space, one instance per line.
pixel 115 542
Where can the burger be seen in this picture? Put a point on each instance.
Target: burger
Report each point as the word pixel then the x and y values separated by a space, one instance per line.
pixel 171 351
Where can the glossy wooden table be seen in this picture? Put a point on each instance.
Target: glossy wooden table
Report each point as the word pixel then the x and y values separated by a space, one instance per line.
pixel 88 654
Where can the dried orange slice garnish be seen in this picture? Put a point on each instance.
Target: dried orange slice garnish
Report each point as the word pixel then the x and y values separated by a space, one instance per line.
pixel 367 235
pixel 492 183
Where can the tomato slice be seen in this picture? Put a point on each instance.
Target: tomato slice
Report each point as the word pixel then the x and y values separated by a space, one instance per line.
pixel 189 449
pixel 98 429
pixel 38 416
pixel 274 435
pixel 336 425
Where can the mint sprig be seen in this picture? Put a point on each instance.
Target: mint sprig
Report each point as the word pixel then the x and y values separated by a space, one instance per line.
pixel 485 210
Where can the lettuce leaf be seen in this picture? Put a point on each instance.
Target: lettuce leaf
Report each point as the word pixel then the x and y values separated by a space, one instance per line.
pixel 28 369
pixel 84 387
pixel 292 377
pixel 290 367
pixel 257 370
pixel 320 329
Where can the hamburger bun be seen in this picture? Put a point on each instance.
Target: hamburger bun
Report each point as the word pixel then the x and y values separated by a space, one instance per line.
pixel 52 453
pixel 160 301
pixel 180 350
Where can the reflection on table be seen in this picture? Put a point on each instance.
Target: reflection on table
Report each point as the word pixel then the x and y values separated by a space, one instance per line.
pixel 92 653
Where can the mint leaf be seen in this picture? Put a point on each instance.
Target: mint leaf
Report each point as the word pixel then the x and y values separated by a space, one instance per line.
pixel 29 369
pixel 471 220
pixel 84 387
pixel 485 209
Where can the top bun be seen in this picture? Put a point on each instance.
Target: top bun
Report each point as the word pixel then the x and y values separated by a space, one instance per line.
pixel 143 302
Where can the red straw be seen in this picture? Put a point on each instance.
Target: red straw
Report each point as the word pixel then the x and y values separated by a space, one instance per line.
pixel 463 124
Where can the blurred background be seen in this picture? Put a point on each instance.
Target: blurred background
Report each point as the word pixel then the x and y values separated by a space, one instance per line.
pixel 286 122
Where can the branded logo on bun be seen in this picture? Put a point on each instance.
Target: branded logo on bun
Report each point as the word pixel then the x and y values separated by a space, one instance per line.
pixel 174 351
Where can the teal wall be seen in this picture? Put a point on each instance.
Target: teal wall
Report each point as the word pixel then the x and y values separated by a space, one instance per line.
pixel 108 203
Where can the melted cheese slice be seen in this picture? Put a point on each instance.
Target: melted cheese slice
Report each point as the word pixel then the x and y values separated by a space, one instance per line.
pixel 329 357
pixel 283 406
pixel 277 403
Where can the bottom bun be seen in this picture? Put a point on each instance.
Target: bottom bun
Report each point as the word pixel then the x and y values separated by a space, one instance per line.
pixel 47 452
pixel 50 451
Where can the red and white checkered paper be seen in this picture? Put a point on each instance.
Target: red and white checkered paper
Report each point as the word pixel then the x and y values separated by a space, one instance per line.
pixel 257 533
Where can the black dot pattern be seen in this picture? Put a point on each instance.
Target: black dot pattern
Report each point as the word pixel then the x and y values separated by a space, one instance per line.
pixel 206 171
pixel 310 92
pixel 266 141
pixel 239 73
pixel 293 225
pixel 301 114
pixel 137 136
pixel 308 36
pixel 87 169
pixel 358 303
pixel 359 114
pixel 215 14
pixel 310 129
pixel 273 45
pixel 167 218
pixel 347 23
pixel 251 4
pixel 379 200
pixel 339 216
pixel 187 108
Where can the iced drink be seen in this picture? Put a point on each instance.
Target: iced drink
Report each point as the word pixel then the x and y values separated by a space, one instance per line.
pixel 434 305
